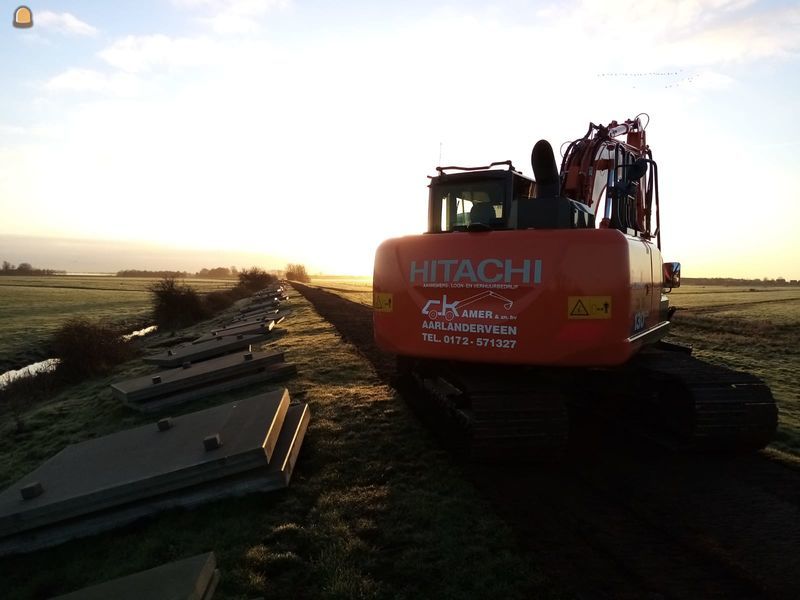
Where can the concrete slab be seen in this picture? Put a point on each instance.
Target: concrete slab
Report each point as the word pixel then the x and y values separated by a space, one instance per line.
pixel 193 376
pixel 256 317
pixel 257 328
pixel 187 579
pixel 212 586
pixel 175 357
pixel 263 303
pixel 276 372
pixel 271 303
pixel 264 479
pixel 265 299
pixel 146 461
pixel 276 315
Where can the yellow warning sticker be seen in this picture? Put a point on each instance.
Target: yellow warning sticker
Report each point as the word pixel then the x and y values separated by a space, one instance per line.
pixel 382 301
pixel 589 307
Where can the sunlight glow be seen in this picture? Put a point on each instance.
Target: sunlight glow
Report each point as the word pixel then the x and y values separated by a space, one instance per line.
pixel 244 128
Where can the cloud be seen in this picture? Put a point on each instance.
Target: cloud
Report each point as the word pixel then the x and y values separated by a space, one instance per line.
pixel 136 54
pixel 232 16
pixel 767 35
pixel 619 19
pixel 651 34
pixel 88 80
pixel 240 7
pixel 12 130
pixel 227 24
pixel 66 23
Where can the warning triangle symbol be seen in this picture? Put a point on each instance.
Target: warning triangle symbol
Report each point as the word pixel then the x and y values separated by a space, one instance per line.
pixel 579 310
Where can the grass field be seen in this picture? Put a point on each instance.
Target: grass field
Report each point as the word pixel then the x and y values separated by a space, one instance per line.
pixel 32 308
pixel 375 508
pixel 752 329
pixel 356 289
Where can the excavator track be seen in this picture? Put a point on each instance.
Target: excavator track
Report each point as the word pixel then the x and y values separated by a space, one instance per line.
pixel 706 406
pixel 664 393
pixel 500 414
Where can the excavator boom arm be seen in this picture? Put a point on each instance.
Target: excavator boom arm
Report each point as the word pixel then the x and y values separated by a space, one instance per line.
pixel 600 167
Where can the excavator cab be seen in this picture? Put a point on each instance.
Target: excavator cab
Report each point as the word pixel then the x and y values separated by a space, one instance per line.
pixel 487 198
pixel 472 199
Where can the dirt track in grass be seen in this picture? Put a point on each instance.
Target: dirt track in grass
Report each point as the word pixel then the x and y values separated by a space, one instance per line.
pixel 618 517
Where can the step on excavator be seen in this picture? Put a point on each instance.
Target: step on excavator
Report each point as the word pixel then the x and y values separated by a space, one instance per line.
pixel 526 298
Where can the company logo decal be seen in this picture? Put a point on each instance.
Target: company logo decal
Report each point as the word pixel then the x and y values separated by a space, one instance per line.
pixel 489 272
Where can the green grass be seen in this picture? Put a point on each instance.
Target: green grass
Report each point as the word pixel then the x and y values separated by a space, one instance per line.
pixel 375 509
pixel 755 331
pixel 706 296
pixel 32 308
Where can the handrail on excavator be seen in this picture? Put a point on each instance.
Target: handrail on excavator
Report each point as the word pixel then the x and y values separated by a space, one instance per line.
pixel 507 163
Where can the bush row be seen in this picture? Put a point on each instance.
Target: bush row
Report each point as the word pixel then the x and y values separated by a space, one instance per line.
pixel 176 304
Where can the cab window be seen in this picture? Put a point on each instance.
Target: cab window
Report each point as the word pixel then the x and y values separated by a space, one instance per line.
pixel 464 205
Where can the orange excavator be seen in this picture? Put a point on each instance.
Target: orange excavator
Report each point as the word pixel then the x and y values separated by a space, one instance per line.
pixel 527 298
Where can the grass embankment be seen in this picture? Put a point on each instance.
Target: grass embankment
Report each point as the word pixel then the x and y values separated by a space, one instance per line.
pixel 752 329
pixel 33 308
pixel 374 508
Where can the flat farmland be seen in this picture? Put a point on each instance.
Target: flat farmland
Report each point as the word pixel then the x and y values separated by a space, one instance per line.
pixel 355 289
pixel 32 308
pixel 754 329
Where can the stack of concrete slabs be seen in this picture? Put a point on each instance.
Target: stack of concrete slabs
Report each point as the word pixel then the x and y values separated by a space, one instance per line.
pixel 276 315
pixel 193 578
pixel 256 326
pixel 191 381
pixel 250 328
pixel 115 480
pixel 260 306
pixel 263 301
pixel 220 346
pixel 262 313
pixel 277 292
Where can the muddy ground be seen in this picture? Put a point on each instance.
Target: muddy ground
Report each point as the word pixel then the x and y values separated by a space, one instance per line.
pixel 619 517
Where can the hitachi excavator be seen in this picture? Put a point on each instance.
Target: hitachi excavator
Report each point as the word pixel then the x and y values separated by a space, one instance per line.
pixel 528 297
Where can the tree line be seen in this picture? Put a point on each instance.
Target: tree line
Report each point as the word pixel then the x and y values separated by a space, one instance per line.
pixel 204 273
pixel 295 272
pixel 733 281
pixel 26 269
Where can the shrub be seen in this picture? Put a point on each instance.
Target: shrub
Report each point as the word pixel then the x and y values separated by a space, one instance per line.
pixel 176 304
pixel 214 302
pixel 255 279
pixel 237 292
pixel 20 394
pixel 297 273
pixel 86 349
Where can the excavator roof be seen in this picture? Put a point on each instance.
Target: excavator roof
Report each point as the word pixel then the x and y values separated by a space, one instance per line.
pixel 507 163
pixel 468 174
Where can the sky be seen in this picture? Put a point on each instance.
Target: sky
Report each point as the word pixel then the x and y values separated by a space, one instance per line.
pixel 268 131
